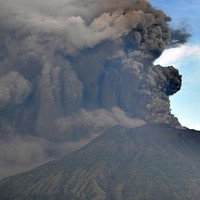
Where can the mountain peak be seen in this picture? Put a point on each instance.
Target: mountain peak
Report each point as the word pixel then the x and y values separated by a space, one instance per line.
pixel 148 162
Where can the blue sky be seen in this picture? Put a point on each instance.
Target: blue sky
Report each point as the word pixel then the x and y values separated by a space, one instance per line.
pixel 186 103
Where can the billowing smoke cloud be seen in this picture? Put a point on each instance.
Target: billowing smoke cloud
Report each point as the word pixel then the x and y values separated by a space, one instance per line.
pixel 14 89
pixel 19 153
pixel 94 122
pixel 178 37
pixel 72 69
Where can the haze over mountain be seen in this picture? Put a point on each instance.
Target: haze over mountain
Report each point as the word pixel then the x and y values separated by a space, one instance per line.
pixel 149 162
pixel 69 71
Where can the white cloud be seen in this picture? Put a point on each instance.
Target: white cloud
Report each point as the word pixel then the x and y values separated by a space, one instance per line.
pixel 175 55
pixel 196 127
pixel 190 123
pixel 193 126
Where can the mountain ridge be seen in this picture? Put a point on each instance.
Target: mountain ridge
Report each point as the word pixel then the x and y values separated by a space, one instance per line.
pixel 147 162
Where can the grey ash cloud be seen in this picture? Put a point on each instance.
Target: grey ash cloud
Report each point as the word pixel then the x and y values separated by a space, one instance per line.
pixel 14 89
pixel 72 69
pixel 179 36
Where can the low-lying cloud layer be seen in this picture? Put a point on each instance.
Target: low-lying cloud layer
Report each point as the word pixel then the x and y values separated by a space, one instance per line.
pixel 94 122
pixel 21 152
pixel 72 69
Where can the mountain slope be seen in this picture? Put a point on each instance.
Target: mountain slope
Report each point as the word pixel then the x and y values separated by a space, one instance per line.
pixel 150 162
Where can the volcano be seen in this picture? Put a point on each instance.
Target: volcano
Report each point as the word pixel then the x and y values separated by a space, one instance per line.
pixel 72 71
pixel 148 162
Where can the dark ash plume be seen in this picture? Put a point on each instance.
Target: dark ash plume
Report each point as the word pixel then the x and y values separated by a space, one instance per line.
pixel 178 37
pixel 63 73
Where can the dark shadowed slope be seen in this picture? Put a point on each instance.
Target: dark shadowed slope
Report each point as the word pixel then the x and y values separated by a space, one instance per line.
pixel 152 162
